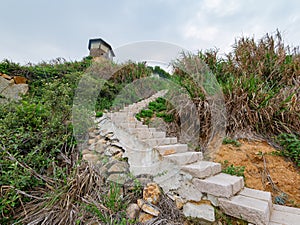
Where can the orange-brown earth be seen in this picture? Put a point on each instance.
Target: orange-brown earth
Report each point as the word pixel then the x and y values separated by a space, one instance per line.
pixel 252 154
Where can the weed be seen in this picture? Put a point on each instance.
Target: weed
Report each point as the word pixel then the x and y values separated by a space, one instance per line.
pixel 99 114
pixel 227 140
pixel 155 108
pixel 291 147
pixel 233 170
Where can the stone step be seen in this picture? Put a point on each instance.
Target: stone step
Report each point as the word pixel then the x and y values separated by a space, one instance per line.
pixel 171 149
pixel 136 131
pixel 158 134
pixel 220 185
pixel 152 142
pixel 127 125
pixel 284 215
pixel 250 209
pixel 261 195
pixel 202 169
pixel 185 158
pixel 205 212
pixel 148 134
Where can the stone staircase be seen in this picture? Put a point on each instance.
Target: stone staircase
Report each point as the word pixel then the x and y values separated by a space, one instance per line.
pixel 184 176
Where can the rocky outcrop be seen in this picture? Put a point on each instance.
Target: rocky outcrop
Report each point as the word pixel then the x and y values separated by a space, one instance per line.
pixel 12 88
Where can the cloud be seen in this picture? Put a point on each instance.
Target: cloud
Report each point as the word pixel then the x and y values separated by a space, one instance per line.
pixel 34 29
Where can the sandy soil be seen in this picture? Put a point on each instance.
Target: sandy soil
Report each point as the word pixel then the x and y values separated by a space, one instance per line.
pixel 251 154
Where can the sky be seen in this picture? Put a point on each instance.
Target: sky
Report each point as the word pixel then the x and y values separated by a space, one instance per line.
pixel 41 30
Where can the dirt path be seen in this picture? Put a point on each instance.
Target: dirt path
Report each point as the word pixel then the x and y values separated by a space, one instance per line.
pixel 251 154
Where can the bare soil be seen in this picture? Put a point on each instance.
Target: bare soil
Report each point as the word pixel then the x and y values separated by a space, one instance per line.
pixel 260 161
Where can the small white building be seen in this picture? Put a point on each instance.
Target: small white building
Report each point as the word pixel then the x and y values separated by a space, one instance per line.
pixel 100 48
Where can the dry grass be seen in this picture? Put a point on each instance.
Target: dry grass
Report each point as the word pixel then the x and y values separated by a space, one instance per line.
pixel 261 85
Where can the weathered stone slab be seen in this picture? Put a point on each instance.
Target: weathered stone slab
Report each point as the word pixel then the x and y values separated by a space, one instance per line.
pixel 250 209
pixel 171 149
pixel 201 211
pixel 261 195
pixel 202 169
pixel 185 157
pixel 220 185
pixel 285 215
pixel 189 192
pixel 158 134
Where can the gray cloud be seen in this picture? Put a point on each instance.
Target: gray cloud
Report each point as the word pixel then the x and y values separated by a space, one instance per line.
pixel 36 30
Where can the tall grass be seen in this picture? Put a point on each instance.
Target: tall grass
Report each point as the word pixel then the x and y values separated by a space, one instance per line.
pixel 261 85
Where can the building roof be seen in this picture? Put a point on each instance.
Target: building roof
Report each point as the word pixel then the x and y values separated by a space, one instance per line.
pixel 101 41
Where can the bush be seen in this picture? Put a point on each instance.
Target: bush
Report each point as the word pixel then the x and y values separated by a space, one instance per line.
pixel 260 83
pixel 291 146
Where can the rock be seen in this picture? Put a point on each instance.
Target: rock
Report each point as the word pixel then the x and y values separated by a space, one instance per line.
pixel 12 91
pixel 144 217
pixel 3 84
pixel 20 80
pixel 86 151
pixel 112 150
pixel 148 208
pixel 118 178
pixel 119 167
pixel 151 193
pixel 179 202
pixel 189 192
pixel 118 156
pixel 144 179
pixel 132 211
pixel 213 199
pixel 92 134
pixel 99 147
pixel 91 141
pixel 90 157
pixel 202 211
pixel 6 76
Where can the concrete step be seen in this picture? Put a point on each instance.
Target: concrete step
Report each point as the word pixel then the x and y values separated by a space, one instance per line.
pixel 158 134
pixel 172 149
pixel 125 125
pixel 148 134
pixel 202 169
pixel 250 209
pixel 261 195
pixel 152 142
pixel 185 157
pixel 128 125
pixel 220 185
pixel 284 215
pixel 136 131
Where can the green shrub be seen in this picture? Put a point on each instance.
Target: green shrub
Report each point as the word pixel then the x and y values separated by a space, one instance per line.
pixel 233 170
pixel 291 146
pixel 227 140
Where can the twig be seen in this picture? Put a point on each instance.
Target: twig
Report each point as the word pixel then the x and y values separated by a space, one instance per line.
pixel 266 176
pixel 28 195
pixel 25 166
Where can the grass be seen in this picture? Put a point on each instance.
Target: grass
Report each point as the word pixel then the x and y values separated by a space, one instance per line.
pixel 260 83
pixel 158 108
pixel 233 170
pixel 227 140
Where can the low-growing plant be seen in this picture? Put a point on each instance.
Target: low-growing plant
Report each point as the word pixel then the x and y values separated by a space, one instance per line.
pixel 233 170
pixel 157 108
pixel 291 146
pixel 234 142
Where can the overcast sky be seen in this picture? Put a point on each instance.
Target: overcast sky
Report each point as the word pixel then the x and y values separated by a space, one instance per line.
pixel 36 30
